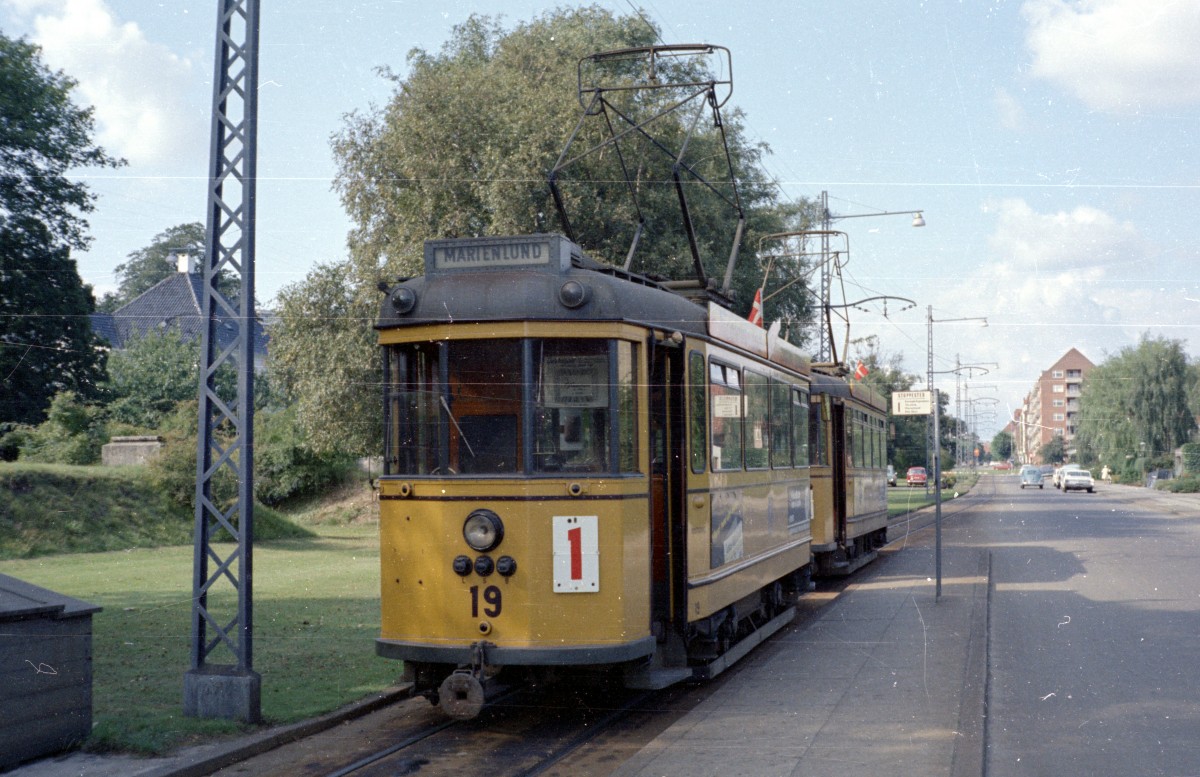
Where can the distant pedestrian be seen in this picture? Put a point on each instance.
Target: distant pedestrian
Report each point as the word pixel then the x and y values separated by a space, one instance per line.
pixel 1106 474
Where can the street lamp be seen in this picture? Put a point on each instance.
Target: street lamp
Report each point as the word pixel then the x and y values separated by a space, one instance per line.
pixel 936 447
pixel 793 245
pixel 827 219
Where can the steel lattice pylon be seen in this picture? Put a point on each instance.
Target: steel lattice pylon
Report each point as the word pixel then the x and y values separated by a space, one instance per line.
pixel 225 447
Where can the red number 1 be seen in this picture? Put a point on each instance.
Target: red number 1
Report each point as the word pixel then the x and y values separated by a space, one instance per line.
pixel 575 538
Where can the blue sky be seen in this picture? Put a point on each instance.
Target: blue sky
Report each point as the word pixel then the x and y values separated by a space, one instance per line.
pixel 1049 145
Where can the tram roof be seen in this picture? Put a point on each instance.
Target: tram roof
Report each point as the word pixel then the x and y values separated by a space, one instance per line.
pixel 833 385
pixel 546 277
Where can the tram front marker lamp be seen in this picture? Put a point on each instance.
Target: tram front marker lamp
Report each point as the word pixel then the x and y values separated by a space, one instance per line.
pixel 483 530
pixel 574 294
pixel 462 566
pixel 506 566
pixel 484 566
pixel 404 299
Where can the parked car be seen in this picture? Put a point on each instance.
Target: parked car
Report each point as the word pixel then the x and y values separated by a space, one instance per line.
pixel 1031 476
pixel 1076 479
pixel 916 476
pixel 891 475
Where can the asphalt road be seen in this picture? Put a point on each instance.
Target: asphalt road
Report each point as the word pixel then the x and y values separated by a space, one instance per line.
pixel 1094 632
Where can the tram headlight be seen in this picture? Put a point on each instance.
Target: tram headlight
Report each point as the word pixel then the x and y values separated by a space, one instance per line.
pixel 574 294
pixel 483 530
pixel 404 299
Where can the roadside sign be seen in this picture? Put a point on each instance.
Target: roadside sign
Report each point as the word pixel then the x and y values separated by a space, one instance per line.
pixel 912 402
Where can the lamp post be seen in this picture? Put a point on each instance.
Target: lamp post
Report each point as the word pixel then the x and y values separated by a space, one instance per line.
pixel 936 447
pixel 827 219
pixel 792 245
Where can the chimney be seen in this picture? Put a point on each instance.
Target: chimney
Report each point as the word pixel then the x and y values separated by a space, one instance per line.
pixel 185 262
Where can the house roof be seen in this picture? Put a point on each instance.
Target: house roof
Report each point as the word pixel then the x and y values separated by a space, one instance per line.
pixel 173 303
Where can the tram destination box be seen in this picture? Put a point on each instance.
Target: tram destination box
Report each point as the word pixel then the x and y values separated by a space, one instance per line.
pixel 541 252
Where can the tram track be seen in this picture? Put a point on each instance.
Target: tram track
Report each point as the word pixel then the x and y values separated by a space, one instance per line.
pixel 562 729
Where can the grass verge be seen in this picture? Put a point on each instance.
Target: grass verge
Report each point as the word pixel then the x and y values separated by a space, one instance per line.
pixel 316 611
pixel 903 500
pixel 58 508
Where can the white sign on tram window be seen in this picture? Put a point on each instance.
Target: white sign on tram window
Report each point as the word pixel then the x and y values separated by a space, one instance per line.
pixel 576 554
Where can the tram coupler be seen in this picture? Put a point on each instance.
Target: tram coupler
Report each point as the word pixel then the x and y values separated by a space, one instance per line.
pixel 461 694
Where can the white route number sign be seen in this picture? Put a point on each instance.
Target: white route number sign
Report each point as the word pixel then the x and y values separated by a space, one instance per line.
pixel 912 402
pixel 576 554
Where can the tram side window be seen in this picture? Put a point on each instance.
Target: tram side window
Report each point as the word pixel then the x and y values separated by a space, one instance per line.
pixel 781 425
pixel 860 440
pixel 697 411
pixel 818 451
pixel 725 388
pixel 800 426
pixel 758 418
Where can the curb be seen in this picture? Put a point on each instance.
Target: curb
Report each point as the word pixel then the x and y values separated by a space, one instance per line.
pixel 225 754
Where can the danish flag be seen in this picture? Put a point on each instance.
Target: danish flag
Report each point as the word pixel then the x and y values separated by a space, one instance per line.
pixel 756 309
pixel 860 372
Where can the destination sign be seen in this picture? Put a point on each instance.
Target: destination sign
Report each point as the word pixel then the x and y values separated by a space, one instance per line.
pixel 912 402
pixel 464 255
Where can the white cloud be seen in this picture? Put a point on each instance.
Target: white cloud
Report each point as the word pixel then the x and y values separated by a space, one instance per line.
pixel 1010 112
pixel 1117 54
pixel 138 88
pixel 1060 280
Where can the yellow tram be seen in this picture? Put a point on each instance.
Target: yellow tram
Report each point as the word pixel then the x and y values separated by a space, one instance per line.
pixel 584 468
pixel 849 463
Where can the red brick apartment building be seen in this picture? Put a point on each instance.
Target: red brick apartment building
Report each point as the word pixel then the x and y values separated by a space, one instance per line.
pixel 1051 409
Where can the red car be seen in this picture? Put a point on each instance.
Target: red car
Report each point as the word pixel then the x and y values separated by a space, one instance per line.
pixel 916 476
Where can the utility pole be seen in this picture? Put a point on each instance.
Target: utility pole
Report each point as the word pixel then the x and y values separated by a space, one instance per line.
pixel 225 444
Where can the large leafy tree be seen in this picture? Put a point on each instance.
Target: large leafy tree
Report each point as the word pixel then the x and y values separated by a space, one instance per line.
pixel 46 344
pixel 323 355
pixel 145 267
pixel 463 148
pixel 1135 404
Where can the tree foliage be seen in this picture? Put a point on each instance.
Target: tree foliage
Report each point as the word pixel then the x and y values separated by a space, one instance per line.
pixel 46 340
pixel 72 433
pixel 1053 452
pixel 325 361
pixel 145 267
pixel 462 149
pixel 151 376
pixel 1135 404
pixel 464 145
pixel 46 345
pixel 43 135
pixel 1002 446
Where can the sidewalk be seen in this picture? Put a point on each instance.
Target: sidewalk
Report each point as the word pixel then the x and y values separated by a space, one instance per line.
pixel 885 681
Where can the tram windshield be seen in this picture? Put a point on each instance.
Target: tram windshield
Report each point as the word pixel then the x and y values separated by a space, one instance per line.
pixel 511 407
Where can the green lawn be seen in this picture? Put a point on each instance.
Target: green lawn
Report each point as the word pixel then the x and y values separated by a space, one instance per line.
pixel 903 499
pixel 316 610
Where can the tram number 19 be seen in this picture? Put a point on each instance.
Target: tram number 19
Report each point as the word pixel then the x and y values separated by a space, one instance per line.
pixel 491 599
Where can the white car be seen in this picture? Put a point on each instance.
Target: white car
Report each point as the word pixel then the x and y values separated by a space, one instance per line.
pixel 1076 480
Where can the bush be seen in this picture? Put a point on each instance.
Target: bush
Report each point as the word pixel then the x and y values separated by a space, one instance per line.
pixel 1191 458
pixel 285 467
pixel 72 433
pixel 1188 484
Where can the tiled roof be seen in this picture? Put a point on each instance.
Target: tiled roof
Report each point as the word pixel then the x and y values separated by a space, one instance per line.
pixel 173 303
